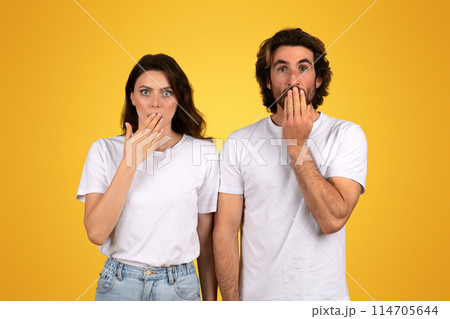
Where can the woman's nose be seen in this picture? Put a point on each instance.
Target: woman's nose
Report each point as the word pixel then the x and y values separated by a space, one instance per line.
pixel 156 101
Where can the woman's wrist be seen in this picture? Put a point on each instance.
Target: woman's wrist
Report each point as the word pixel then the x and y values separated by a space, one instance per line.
pixel 125 167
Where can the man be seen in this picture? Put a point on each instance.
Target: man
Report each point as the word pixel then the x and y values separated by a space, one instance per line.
pixel 291 181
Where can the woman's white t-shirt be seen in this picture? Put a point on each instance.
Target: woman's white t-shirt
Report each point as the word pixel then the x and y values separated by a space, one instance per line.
pixel 158 225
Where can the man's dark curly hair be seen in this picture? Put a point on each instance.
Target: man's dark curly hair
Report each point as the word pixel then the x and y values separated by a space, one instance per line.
pixel 292 37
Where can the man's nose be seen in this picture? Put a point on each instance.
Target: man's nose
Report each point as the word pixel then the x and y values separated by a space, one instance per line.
pixel 295 78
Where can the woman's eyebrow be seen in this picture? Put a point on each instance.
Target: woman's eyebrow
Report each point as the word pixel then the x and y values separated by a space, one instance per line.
pixel 147 87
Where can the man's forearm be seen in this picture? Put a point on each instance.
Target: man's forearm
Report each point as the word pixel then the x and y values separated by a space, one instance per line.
pixel 226 256
pixel 323 200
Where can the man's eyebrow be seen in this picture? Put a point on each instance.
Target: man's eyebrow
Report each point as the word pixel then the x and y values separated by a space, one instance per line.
pixel 279 62
pixel 304 60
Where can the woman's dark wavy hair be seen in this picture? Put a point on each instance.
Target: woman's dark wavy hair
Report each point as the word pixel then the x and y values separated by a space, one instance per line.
pixel 292 37
pixel 186 111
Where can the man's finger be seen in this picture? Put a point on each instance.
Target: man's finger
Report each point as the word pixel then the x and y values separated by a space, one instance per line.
pixel 289 109
pixel 296 99
pixel 302 103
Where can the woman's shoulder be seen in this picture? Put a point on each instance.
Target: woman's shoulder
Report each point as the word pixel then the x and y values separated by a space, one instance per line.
pixel 108 144
pixel 110 141
pixel 203 151
pixel 202 144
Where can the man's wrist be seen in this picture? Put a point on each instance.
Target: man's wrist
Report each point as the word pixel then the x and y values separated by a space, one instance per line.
pixel 299 154
pixel 230 295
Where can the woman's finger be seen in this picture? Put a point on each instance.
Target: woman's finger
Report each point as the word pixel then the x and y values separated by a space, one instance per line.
pixel 149 119
pixel 158 126
pixel 129 131
pixel 155 120
pixel 158 142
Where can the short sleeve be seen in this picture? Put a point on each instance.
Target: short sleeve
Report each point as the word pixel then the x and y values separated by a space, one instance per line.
pixel 207 195
pixel 350 160
pixel 231 181
pixel 93 177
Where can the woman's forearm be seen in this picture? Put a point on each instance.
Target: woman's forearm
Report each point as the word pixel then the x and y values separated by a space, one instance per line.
pixel 101 219
pixel 207 272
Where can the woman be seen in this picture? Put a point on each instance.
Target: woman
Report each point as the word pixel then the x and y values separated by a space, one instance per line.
pixel 150 193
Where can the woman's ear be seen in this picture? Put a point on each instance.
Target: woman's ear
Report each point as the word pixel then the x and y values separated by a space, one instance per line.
pixel 132 98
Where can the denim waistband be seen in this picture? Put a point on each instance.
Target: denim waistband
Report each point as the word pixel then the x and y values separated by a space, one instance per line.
pixel 120 269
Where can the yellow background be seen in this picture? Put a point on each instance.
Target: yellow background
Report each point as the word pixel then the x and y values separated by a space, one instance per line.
pixel 61 88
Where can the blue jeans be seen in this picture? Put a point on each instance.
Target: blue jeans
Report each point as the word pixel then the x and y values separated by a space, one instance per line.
pixel 119 281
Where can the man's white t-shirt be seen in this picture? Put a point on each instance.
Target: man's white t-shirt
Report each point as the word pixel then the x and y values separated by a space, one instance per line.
pixel 158 224
pixel 285 255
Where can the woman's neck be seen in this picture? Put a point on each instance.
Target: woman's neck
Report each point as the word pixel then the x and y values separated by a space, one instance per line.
pixel 173 138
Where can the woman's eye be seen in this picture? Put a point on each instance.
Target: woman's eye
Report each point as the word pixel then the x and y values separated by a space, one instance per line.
pixel 167 93
pixel 145 92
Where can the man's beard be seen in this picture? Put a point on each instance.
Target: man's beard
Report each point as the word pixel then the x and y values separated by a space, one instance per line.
pixel 309 96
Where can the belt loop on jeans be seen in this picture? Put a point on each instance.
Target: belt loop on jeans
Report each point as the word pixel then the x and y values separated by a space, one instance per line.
pixel 170 274
pixel 119 271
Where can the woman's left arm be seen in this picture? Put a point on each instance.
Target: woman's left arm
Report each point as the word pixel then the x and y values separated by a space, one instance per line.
pixel 205 261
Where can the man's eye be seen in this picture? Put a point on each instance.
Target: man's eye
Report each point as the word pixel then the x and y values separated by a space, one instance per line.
pixel 145 92
pixel 167 93
pixel 282 69
pixel 304 68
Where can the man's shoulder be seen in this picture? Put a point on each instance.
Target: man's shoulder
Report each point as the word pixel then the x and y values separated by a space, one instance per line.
pixel 332 124
pixel 335 122
pixel 248 130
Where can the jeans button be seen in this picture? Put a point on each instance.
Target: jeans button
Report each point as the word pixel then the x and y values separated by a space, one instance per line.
pixel 148 272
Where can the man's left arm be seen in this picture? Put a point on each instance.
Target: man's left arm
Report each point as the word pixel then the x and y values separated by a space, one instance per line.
pixel 331 200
